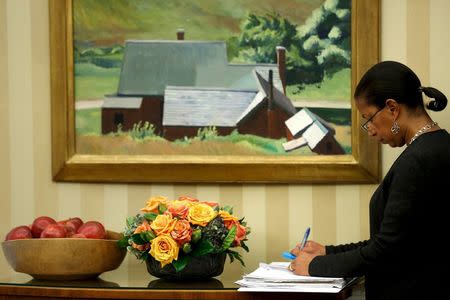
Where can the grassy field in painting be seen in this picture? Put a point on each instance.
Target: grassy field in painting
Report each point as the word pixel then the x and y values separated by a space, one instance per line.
pixel 90 141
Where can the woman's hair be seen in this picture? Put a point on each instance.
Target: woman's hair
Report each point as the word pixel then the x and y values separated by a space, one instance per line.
pixel 393 80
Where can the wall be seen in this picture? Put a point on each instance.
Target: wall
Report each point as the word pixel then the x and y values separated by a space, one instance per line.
pixel 413 31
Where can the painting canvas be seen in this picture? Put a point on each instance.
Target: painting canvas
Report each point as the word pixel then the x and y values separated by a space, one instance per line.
pixel 212 77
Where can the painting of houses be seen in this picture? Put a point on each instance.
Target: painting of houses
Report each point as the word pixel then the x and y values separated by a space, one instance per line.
pixel 235 85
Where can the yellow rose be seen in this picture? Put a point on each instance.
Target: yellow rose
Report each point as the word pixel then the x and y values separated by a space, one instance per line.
pixel 163 224
pixel 201 214
pixel 153 203
pixel 164 249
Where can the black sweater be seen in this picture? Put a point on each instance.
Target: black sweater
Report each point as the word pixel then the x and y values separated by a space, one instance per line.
pixel 405 257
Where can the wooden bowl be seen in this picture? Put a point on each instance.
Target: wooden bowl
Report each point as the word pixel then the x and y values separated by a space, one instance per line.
pixel 64 258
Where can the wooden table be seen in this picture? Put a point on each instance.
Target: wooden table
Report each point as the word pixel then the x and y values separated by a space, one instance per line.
pixel 21 286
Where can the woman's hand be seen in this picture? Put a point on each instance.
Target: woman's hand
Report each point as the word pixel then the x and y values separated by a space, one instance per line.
pixel 311 247
pixel 300 265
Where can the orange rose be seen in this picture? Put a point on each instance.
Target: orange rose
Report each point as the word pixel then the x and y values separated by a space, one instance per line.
pixel 140 247
pixel 187 198
pixel 228 219
pixel 163 224
pixel 153 204
pixel 212 204
pixel 178 209
pixel 182 232
pixel 241 232
pixel 143 227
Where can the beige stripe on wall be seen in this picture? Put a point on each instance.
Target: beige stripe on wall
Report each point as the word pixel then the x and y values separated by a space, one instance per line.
pixel 418 41
pixel 92 197
pixel 137 197
pixel 254 211
pixel 277 221
pixel 232 195
pixel 365 193
pixel 46 202
pixel 439 60
pixel 5 183
pixel 209 192
pixel 185 190
pixel 324 213
pixel 20 111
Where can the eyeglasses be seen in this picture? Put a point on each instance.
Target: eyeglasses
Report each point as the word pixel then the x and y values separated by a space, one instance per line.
pixel 365 126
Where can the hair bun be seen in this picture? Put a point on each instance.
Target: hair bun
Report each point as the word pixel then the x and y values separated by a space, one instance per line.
pixel 438 102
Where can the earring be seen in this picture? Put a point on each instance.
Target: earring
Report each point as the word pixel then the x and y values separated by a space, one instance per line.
pixel 395 128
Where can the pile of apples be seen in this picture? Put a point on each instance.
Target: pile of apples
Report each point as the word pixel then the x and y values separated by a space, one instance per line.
pixel 47 227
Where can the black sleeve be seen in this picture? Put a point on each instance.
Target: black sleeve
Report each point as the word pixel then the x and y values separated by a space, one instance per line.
pixel 394 234
pixel 333 249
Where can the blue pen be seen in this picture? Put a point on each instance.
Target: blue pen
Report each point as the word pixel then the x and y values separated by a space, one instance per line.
pixel 289 255
pixel 305 238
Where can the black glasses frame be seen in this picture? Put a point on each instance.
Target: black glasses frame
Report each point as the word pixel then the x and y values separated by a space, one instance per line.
pixel 365 126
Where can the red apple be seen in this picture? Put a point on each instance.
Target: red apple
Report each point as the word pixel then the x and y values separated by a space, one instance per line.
pixel 39 224
pixel 75 223
pixel 18 233
pixel 93 230
pixel 71 225
pixel 78 235
pixel 54 231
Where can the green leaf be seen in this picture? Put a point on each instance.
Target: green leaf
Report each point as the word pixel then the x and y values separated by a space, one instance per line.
pixel 228 209
pixel 144 255
pixel 181 263
pixel 150 216
pixel 162 208
pixel 130 221
pixel 236 255
pixel 147 236
pixel 196 235
pixel 203 247
pixel 123 242
pixel 137 239
pixel 244 246
pixel 228 239
pixel 231 257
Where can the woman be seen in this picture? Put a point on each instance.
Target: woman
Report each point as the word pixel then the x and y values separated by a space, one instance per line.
pixel 408 216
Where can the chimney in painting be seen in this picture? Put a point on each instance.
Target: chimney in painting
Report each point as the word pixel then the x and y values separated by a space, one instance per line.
pixel 180 34
pixel 281 62
pixel 270 108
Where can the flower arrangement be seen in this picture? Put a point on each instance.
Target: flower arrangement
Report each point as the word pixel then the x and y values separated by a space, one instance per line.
pixel 174 231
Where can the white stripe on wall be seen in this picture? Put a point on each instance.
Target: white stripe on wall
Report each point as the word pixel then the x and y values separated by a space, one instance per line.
pixel 347 214
pixel 300 212
pixel 69 203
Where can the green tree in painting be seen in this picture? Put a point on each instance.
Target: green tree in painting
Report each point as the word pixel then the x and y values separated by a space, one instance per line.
pixel 260 36
pixel 321 47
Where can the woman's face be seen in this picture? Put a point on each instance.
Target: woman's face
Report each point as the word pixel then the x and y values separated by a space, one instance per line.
pixel 379 122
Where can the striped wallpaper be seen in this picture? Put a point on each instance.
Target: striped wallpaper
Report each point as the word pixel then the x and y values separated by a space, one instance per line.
pixel 413 31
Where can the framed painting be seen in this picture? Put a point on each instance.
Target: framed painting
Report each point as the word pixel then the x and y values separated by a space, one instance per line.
pixel 211 91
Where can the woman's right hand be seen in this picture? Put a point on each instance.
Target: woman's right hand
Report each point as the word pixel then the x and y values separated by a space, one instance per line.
pixel 311 247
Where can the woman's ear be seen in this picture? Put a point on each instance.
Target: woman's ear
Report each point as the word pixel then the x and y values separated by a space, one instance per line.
pixel 393 107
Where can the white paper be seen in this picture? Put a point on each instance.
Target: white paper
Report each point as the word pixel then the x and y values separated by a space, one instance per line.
pixel 275 277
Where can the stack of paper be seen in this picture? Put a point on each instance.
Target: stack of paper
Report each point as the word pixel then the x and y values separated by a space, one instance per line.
pixel 275 277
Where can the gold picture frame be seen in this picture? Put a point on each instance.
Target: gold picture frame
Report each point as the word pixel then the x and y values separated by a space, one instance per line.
pixel 362 166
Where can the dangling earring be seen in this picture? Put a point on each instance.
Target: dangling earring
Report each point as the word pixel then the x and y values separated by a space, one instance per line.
pixel 395 128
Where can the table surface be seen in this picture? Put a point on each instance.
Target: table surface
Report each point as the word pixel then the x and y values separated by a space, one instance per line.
pixel 118 284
